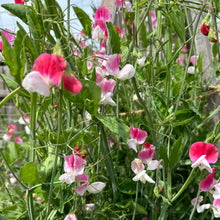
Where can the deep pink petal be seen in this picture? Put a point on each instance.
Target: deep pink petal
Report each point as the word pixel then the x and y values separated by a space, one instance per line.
pixel 51 66
pixel 1 45
pixel 101 24
pixel 138 134
pixel 69 162
pixel 72 84
pixel 81 189
pixel 19 2
pixel 113 64
pixel 207 182
pixel 145 155
pixel 102 14
pixel 200 148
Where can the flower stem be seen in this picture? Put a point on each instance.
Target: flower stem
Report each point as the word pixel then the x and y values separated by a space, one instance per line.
pixel 9 96
pixel 56 153
pixel 194 208
pixel 185 185
pixel 135 204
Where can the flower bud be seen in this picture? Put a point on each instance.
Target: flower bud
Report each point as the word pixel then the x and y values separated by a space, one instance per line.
pixel 204 28
pixel 212 36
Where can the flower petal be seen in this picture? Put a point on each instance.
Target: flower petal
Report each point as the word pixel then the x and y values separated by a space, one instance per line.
pixel 102 14
pixel 72 84
pixel 200 148
pixel 95 187
pixel 50 66
pixel 112 65
pixel 127 72
pixel 207 182
pixel 35 82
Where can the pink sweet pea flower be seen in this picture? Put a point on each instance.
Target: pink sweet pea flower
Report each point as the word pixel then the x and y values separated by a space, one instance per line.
pixel 138 136
pixel 70 217
pixel 118 3
pixel 73 167
pixel 48 70
pixel 202 154
pixel 102 14
pixel 18 140
pixel 19 2
pixel 11 127
pixel 180 61
pixel 138 168
pixel 193 60
pixel 153 19
pixel 107 87
pixel 112 65
pixel 210 184
pixel 82 189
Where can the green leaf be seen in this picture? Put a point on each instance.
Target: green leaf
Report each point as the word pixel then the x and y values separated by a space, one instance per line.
pixel 90 96
pixel 29 173
pixel 176 152
pixel 11 84
pixel 84 20
pixel 183 116
pixel 178 22
pixel 115 125
pixel 18 10
pixel 215 50
pixel 140 209
pixel 113 38
pixel 163 155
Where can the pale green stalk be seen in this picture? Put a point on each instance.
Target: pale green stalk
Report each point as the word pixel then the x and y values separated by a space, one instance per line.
pixel 135 204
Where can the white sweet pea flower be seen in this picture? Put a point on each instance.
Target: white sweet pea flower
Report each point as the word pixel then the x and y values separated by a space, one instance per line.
pixel 127 72
pixel 141 61
pixel 98 34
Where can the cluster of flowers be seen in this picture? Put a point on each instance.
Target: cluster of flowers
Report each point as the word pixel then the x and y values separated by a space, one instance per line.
pixel 74 172
pixel 202 154
pixel 7 137
pixel 145 156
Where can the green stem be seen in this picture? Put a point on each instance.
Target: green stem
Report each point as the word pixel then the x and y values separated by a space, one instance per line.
pixel 56 153
pixel 9 96
pixel 30 205
pixel 135 204
pixel 184 185
pixel 194 208
pixel 8 166
pixel 33 124
pixel 147 113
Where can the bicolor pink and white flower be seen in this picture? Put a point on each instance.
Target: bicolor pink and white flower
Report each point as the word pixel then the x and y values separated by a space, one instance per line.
pixel 138 168
pixel 146 156
pixel 216 208
pixel 7 137
pixel 107 87
pixel 73 168
pixel 141 61
pixel 200 208
pixel 210 184
pixel 202 154
pixel 48 70
pixel 138 137
pixel 97 34
pixel 101 16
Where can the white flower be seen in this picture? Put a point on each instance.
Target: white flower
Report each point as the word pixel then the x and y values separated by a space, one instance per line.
pixel 127 72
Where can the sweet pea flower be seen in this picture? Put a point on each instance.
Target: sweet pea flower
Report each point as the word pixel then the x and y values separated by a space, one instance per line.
pixel 118 3
pixel 9 37
pixel 89 207
pixel 138 136
pixel 72 84
pixel 193 59
pixel 18 140
pixel 70 217
pixel 112 65
pixel 107 87
pixel 216 208
pixel 97 34
pixel 48 70
pixel 153 19
pixel 202 154
pixel 101 16
pixel 198 207
pixel 138 168
pixel 127 72
pixel 210 184
pixel 73 167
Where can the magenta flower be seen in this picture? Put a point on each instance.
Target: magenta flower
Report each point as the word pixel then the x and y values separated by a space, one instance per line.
pixel 112 65
pixel 153 19
pixel 202 154
pixel 9 36
pixel 73 167
pixel 18 140
pixel 102 14
pixel 138 136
